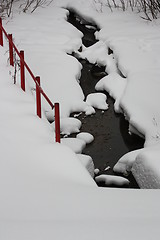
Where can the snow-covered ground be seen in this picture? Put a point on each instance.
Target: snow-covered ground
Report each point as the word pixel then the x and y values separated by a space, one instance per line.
pixel 46 193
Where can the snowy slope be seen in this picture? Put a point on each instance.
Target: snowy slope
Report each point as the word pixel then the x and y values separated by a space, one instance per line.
pixel 45 191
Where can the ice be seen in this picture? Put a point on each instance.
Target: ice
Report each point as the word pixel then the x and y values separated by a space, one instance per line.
pixel 87 137
pixel 97 100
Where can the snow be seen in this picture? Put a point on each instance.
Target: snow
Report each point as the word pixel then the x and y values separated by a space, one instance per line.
pixel 145 168
pixel 115 85
pixel 70 125
pixel 125 163
pixel 96 171
pixel 77 145
pixel 87 137
pixel 107 168
pixel 136 45
pixel 109 180
pixel 97 100
pixel 98 54
pixel 87 162
pixel 46 192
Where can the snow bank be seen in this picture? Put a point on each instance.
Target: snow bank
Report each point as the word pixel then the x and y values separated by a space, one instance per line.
pixel 77 145
pixel 125 163
pixel 29 155
pixel 146 168
pixel 87 162
pixel 46 47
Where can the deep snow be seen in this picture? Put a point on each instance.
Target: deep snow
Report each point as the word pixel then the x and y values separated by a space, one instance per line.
pixel 45 191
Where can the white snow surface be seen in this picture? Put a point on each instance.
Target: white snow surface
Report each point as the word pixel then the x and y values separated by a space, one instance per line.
pixel 46 193
pixel 77 145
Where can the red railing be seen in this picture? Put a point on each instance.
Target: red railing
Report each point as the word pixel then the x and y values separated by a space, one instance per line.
pixel 36 79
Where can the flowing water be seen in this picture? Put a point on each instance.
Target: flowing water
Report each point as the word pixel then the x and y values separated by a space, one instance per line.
pixel 109 129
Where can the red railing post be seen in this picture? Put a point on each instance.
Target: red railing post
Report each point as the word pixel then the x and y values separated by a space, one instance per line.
pixel 10 49
pixel 38 97
pixel 57 122
pixel 22 70
pixel 1 33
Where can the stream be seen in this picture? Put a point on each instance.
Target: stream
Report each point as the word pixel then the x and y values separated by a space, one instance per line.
pixel 110 130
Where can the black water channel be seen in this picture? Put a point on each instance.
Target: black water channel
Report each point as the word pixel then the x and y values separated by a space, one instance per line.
pixel 110 130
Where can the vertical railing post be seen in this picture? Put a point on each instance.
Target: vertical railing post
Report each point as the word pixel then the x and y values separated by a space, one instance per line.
pixel 38 97
pixel 57 122
pixel 10 50
pixel 22 70
pixel 1 33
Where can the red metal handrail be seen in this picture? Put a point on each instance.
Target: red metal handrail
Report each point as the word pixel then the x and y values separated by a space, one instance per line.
pixel 39 90
pixel 27 67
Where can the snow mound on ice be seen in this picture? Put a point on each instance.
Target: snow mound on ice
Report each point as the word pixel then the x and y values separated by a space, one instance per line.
pixel 87 162
pixel 112 180
pixel 87 137
pixel 115 85
pixel 70 125
pixel 97 100
pixel 77 145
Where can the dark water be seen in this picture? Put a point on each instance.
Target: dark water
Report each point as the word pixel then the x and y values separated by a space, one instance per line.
pixel 110 130
pixel 88 38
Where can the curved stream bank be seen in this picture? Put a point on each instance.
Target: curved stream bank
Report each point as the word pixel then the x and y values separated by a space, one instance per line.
pixel 109 129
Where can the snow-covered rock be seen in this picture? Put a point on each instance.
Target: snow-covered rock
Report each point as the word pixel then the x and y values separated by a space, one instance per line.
pixel 97 100
pixel 115 85
pixel 112 180
pixel 87 137
pixel 70 125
